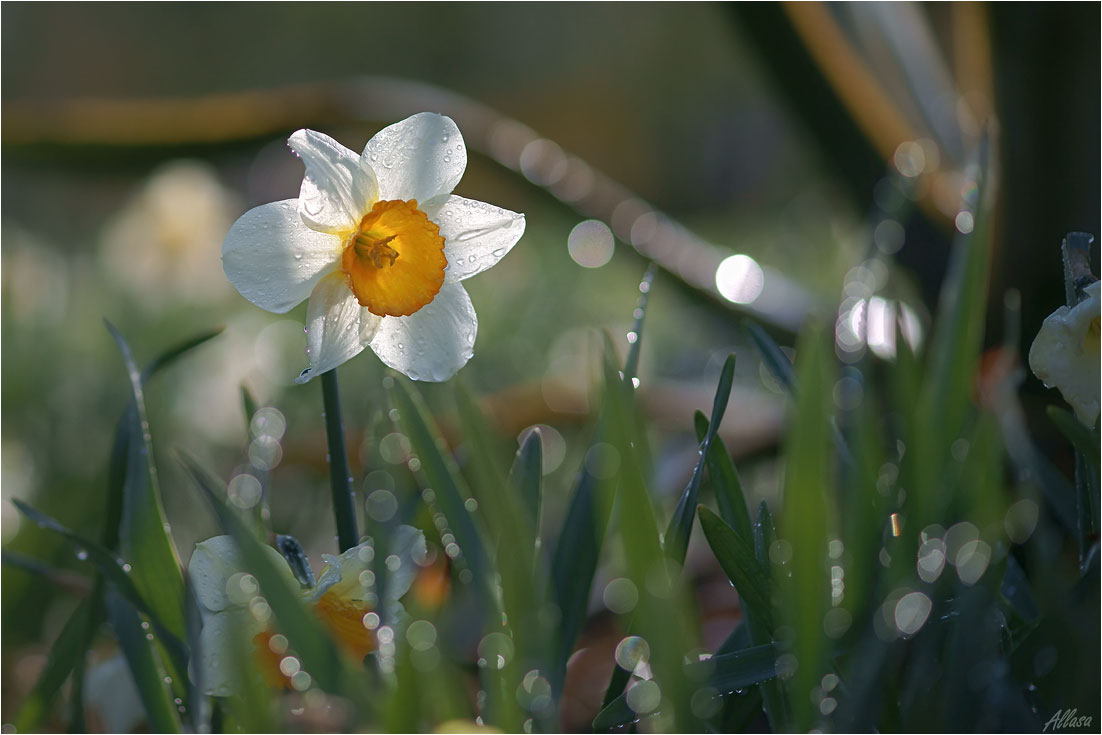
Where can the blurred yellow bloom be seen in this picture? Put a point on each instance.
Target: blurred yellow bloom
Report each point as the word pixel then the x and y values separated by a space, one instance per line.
pixel 378 244
pixel 1065 354
pixel 344 600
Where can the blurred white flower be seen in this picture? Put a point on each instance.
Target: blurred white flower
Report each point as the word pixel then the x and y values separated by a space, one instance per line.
pixel 378 244
pixel 163 246
pixel 111 696
pixel 234 608
pixel 1065 354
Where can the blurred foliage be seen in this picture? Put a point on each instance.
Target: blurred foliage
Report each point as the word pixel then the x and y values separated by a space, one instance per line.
pixel 725 118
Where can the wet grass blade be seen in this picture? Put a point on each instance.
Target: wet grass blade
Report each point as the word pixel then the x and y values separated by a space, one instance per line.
pixel 144 537
pixel 772 695
pixel 574 561
pixel 155 693
pixel 169 356
pixel 631 364
pixel 725 673
pixel 736 555
pixel 526 474
pixel 438 471
pixel 805 518
pixel 313 647
pixel 509 523
pixel 777 362
pixel 65 654
pixel 681 523
pixel 725 482
pixel 113 572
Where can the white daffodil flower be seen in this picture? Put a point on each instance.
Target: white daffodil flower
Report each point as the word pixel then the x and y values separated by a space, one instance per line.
pixel 1065 354
pixel 379 245
pixel 235 612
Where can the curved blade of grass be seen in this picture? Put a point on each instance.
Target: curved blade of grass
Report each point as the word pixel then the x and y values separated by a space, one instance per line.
pixel 149 677
pixel 112 570
pixel 659 614
pixel 65 653
pixel 574 561
pixel 681 523
pixel 631 364
pixel 526 474
pixel 439 472
pixel 725 482
pixel 777 362
pixel 726 673
pixel 772 695
pixel 144 536
pixel 736 555
pixel 522 598
pixel 945 400
pixel 313 647
pixel 172 354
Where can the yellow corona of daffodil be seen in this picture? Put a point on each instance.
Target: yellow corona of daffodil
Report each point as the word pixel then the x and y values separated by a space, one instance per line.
pixel 1065 354
pixel 379 245
pixel 344 599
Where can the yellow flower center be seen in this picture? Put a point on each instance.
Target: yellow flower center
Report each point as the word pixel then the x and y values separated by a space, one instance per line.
pixel 344 618
pixel 395 260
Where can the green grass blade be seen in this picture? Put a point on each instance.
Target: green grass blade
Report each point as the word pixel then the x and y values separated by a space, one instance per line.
pixel 631 364
pixel 169 356
pixel 69 648
pixel 725 482
pixel 438 471
pixel 302 629
pixel 113 572
pixel 660 615
pixel 574 561
pixel 777 362
pixel 155 694
pixel 144 536
pixel 736 555
pixel 772 695
pixel 526 474
pixel 681 523
pixel 509 523
pixel 945 400
pixel 805 518
pixel 725 673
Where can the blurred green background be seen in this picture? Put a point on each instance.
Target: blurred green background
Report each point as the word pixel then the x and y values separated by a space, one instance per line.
pixel 717 116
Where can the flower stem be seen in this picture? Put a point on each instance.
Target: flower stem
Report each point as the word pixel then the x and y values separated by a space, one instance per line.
pixel 340 476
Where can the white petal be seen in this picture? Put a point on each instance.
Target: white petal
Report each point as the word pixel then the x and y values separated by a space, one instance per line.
pixel 217 559
pixel 224 644
pixel 1065 354
pixel 343 573
pixel 337 327
pixel 476 235
pixel 109 689
pixel 273 259
pixel 433 343
pixel 422 157
pixel 212 563
pixel 408 544
pixel 338 187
